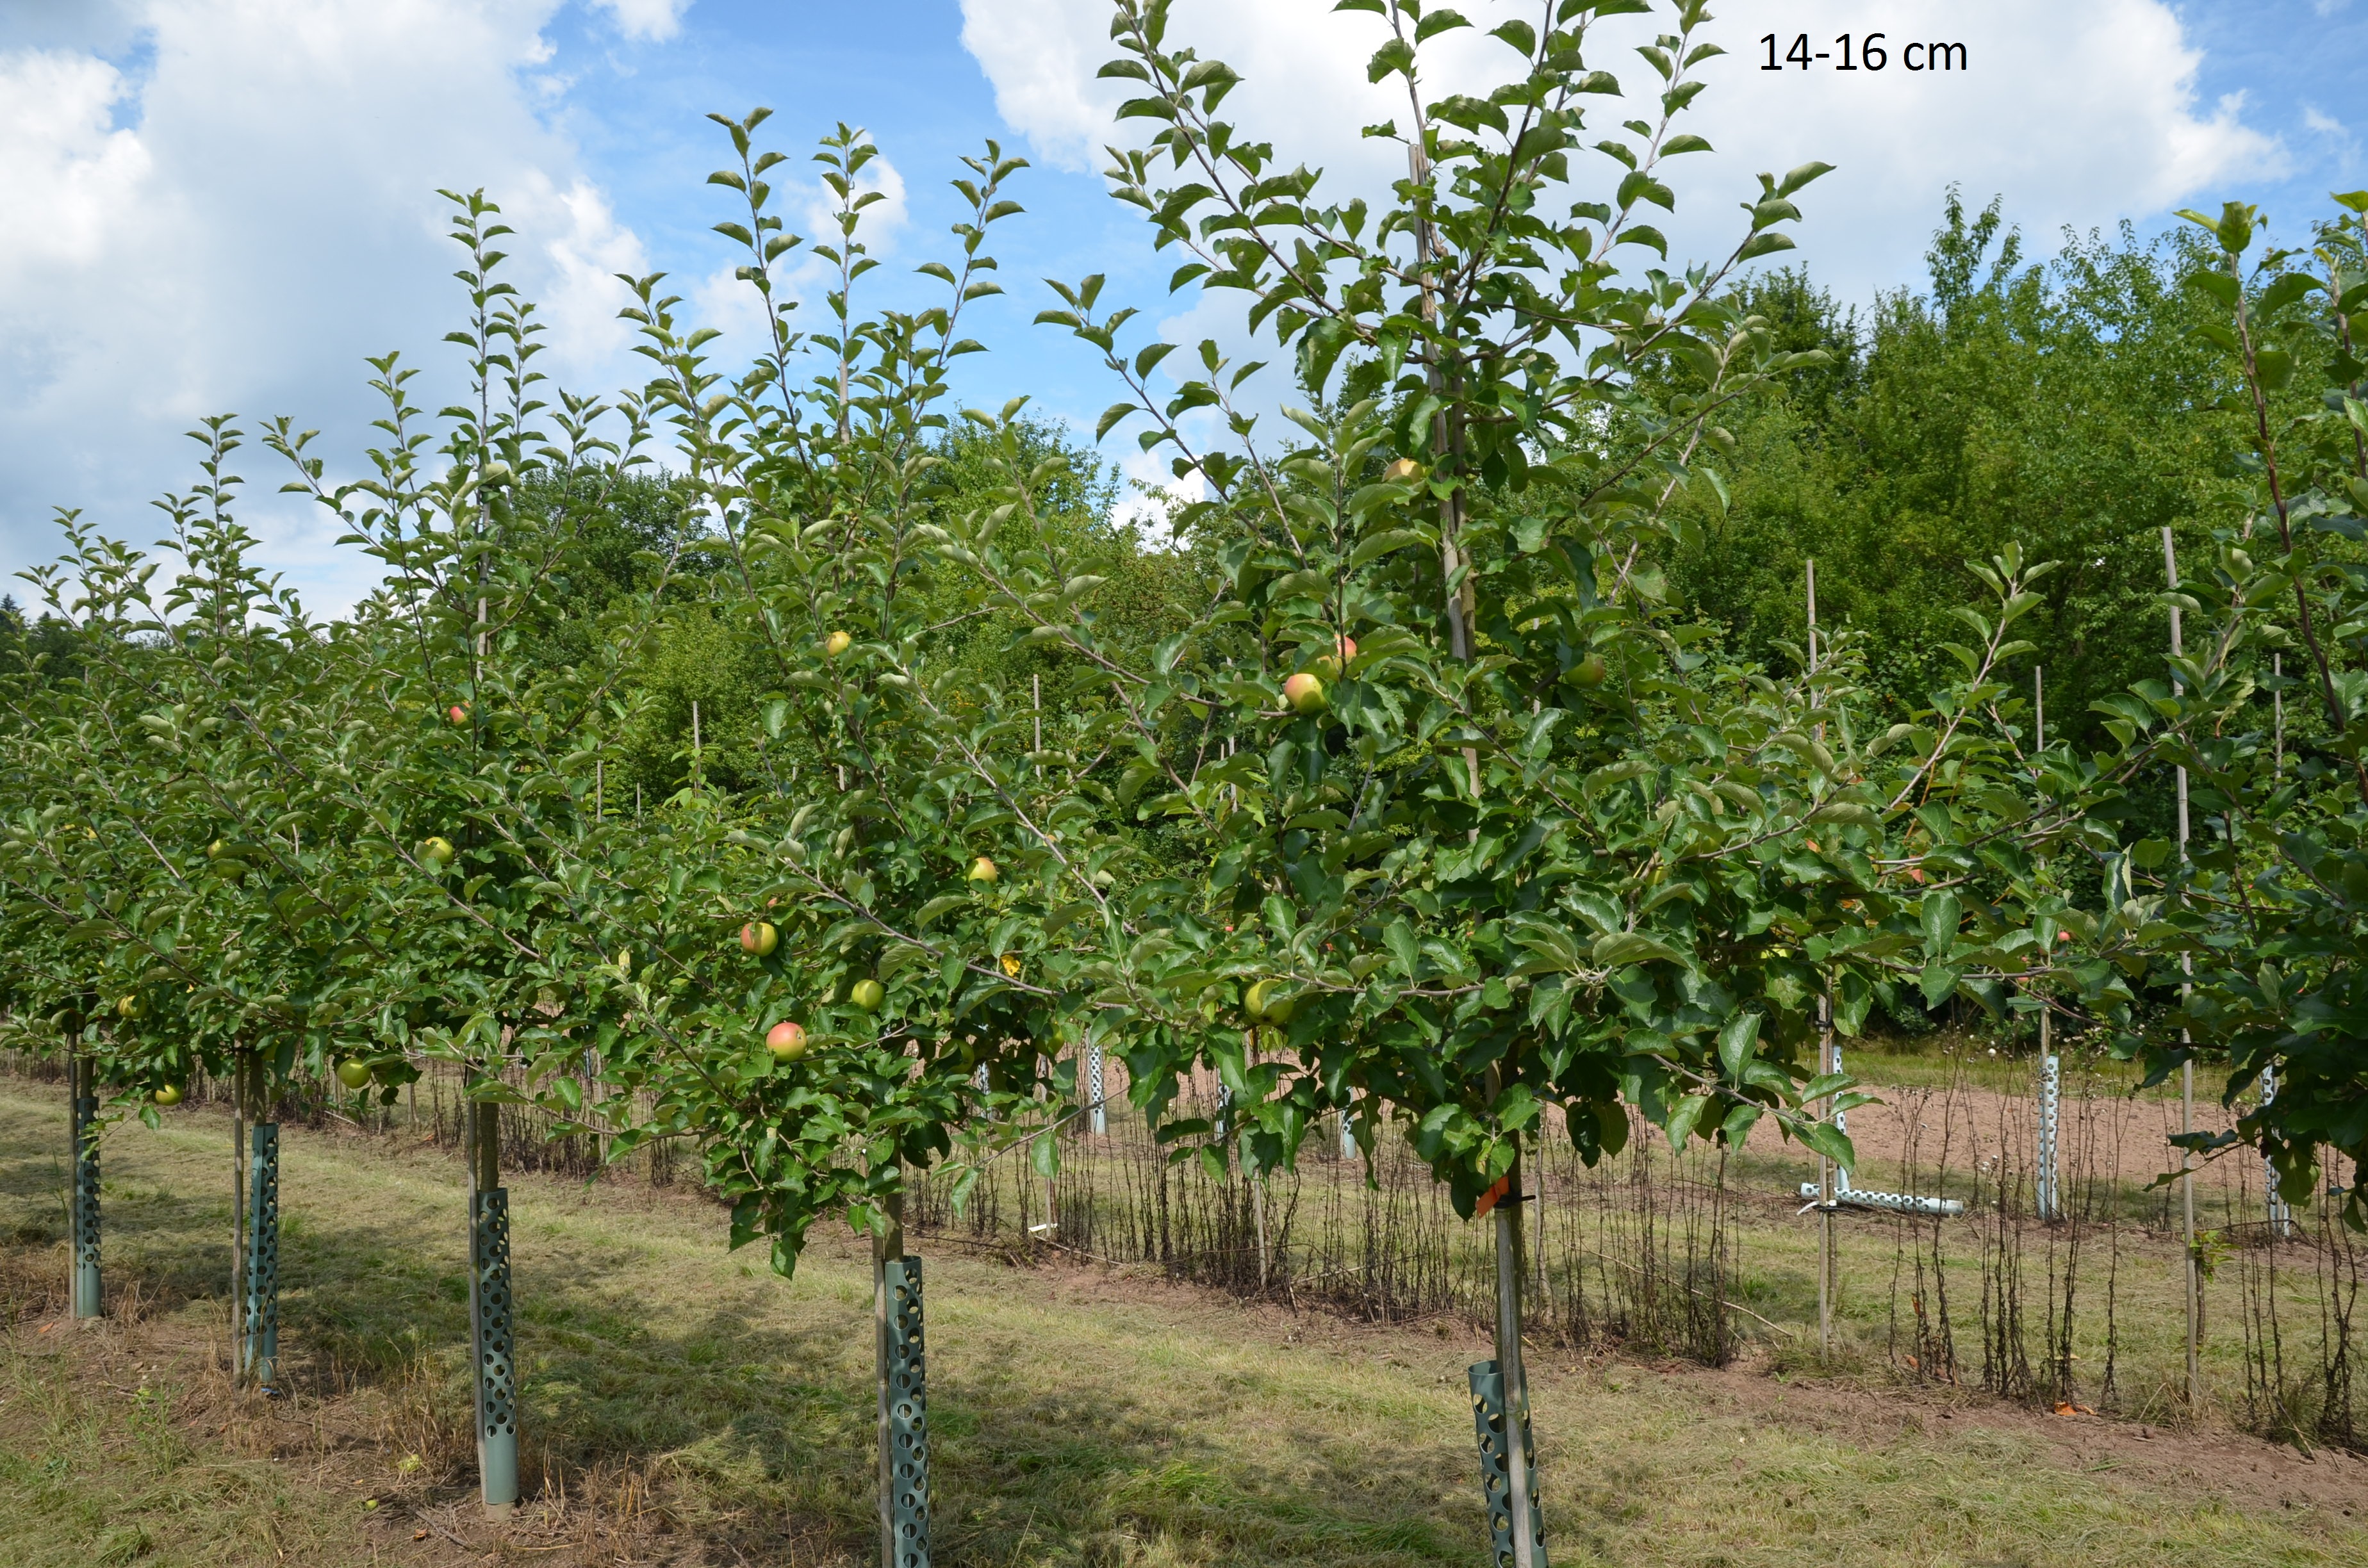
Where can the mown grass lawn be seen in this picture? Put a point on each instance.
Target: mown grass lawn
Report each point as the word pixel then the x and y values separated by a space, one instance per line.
pixel 683 1406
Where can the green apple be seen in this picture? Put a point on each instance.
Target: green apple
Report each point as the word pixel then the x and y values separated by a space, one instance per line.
pixel 170 1094
pixel 786 1039
pixel 868 994
pixel 1589 671
pixel 759 938
pixel 354 1074
pixel 437 852
pixel 1262 1001
pixel 838 642
pixel 1305 692
pixel 985 870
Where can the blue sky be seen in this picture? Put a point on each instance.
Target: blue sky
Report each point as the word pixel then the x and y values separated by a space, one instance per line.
pixel 224 204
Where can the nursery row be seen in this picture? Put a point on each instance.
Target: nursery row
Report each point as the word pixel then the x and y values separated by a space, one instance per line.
pixel 1383 799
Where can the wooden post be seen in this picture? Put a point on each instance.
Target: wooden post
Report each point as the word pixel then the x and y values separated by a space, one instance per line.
pixel 1825 1190
pixel 238 1068
pixel 2186 1068
pixel 2051 1071
pixel 1825 1065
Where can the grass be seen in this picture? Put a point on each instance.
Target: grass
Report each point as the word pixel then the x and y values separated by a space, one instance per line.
pixel 681 1407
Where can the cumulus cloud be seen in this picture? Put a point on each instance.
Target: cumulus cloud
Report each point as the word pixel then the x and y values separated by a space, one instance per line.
pixel 231 215
pixel 655 20
pixel 2080 115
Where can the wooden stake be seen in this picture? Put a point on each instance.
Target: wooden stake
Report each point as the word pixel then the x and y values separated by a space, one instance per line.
pixel 2186 1068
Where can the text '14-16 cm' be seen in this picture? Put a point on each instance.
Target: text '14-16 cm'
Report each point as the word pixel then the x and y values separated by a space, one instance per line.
pixel 1870 54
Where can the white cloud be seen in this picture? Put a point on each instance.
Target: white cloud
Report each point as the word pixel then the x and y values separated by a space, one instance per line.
pixel 1154 493
pixel 237 223
pixel 655 20
pixel 2080 115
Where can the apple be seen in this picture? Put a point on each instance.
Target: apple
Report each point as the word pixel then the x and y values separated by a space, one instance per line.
pixel 2063 936
pixel 1261 1002
pixel 985 870
pixel 438 852
pixel 759 938
pixel 1305 692
pixel 1589 671
pixel 458 714
pixel 1329 666
pixel 1406 471
pixel 168 1094
pixel 217 850
pixel 786 1039
pixel 868 994
pixel 1011 965
pixel 354 1074
pixel 838 642
pixel 129 1007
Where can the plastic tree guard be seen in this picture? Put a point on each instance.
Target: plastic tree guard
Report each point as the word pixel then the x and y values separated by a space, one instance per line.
pixel 87 1299
pixel 2051 1081
pixel 260 1350
pixel 908 1416
pixel 1489 1422
pixel 1847 1196
pixel 493 1331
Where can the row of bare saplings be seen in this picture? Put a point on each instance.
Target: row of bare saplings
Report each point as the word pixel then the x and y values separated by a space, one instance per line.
pixel 1708 1253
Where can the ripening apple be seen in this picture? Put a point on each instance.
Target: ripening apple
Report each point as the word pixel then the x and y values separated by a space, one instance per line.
pixel 868 994
pixel 458 714
pixel 1261 1002
pixel 1406 471
pixel 1329 666
pixel 985 870
pixel 838 642
pixel 437 852
pixel 169 1094
pixel 128 1008
pixel 1305 692
pixel 1589 671
pixel 354 1074
pixel 217 850
pixel 786 1039
pixel 759 938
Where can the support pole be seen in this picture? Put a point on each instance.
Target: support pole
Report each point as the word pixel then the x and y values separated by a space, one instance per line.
pixel 238 1070
pixel 2187 1068
pixel 2051 1068
pixel 903 1429
pixel 491 1311
pixel 83 1122
pixel 1529 1546
pixel 1826 1055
